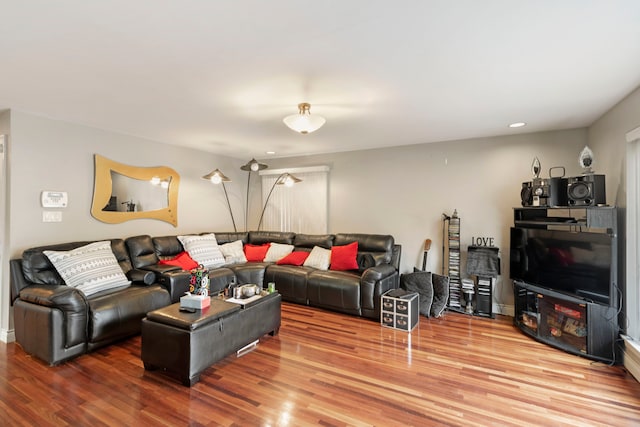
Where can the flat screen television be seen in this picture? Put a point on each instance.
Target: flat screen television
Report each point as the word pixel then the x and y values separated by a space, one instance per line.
pixel 575 263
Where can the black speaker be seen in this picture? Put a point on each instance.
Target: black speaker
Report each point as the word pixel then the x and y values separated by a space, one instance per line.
pixel 545 192
pixel 526 197
pixel 558 192
pixel 586 190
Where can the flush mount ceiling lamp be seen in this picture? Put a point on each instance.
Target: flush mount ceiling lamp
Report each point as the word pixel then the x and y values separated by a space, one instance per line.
pixel 304 122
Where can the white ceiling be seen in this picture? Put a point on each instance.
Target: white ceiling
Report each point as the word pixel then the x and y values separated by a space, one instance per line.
pixel 220 75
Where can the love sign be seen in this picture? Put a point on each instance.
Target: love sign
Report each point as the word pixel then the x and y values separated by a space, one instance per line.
pixel 482 241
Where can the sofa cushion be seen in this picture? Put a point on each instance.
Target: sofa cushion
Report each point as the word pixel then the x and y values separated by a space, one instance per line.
pixel 91 268
pixel 256 253
pixel 335 290
pixel 379 246
pixel 182 260
pixel 318 258
pixel 308 241
pixel 118 314
pixel 291 281
pixel 261 237
pixel 203 249
pixel 233 252
pixel 344 257
pixel 294 258
pixel 142 251
pixel 277 251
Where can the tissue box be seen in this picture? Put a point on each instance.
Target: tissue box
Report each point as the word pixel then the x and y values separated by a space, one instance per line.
pixel 195 301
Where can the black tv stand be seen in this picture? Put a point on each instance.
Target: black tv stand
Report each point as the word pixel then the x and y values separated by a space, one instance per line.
pixel 570 317
pixel 570 323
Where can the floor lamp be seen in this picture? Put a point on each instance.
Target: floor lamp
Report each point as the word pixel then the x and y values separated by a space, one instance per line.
pixel 252 166
pixel 284 179
pixel 217 177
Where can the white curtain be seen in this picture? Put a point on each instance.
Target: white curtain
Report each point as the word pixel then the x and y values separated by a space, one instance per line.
pixel 301 208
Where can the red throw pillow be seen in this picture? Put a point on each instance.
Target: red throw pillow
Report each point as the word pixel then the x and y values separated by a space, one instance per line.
pixel 344 257
pixel 294 258
pixel 182 260
pixel 256 253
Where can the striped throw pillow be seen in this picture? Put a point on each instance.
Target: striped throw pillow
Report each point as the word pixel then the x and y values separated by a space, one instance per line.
pixel 203 249
pixel 90 269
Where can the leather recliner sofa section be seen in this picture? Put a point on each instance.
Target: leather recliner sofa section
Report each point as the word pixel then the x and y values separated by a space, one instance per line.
pixel 355 292
pixel 56 322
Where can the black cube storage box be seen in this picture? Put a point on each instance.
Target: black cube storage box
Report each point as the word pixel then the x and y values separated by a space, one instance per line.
pixel 399 309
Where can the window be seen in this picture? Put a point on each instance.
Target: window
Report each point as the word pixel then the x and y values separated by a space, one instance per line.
pixel 301 208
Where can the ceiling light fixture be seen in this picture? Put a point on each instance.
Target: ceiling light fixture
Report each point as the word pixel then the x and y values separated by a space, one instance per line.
pixel 304 122
pixel 517 124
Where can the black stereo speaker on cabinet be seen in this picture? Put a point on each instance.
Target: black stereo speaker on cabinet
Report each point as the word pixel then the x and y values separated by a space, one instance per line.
pixel 586 190
pixel 545 192
pixel 526 196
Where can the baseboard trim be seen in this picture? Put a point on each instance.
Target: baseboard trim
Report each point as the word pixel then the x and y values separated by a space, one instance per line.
pixel 632 356
pixel 7 335
pixel 504 309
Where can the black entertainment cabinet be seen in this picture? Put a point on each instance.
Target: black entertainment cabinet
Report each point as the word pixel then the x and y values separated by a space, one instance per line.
pixel 564 267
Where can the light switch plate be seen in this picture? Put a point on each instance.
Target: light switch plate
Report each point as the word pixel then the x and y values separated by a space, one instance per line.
pixel 51 216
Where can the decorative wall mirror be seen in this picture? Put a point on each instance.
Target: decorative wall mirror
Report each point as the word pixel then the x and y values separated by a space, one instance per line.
pixel 122 192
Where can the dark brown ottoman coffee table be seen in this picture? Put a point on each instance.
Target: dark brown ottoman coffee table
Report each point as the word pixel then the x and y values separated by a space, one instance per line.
pixel 185 344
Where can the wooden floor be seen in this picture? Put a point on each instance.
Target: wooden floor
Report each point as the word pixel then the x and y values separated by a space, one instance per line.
pixel 334 370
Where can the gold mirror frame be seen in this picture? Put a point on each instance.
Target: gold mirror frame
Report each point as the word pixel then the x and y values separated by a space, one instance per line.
pixel 103 188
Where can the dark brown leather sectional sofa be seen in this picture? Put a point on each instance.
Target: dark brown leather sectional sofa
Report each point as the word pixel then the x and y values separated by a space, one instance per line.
pixel 56 322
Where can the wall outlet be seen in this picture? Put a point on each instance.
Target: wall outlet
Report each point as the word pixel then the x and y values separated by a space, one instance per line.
pixel 51 216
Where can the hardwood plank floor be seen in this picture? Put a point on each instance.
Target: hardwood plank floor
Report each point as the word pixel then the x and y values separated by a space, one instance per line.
pixel 335 370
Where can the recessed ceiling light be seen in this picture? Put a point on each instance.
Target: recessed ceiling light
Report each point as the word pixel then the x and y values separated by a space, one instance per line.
pixel 517 124
pixel 270 152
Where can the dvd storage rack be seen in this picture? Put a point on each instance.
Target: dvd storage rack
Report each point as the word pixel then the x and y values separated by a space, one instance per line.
pixel 453 236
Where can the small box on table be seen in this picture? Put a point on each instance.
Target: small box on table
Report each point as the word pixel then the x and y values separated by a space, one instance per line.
pixel 399 309
pixel 195 301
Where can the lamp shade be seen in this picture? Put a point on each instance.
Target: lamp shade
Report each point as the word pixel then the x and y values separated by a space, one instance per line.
pixel 304 122
pixel 216 177
pixel 253 166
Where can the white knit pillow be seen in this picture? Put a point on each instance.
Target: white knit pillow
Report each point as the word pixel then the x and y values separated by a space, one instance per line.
pixel 203 249
pixel 277 251
pixel 318 258
pixel 90 269
pixel 233 252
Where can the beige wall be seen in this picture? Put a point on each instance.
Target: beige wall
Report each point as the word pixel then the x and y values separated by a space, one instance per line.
pixel 46 154
pixel 401 191
pixel 5 319
pixel 53 155
pixel 404 191
pixel 607 138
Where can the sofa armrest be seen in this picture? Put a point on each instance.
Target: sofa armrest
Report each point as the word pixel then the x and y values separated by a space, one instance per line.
pixel 145 277
pixel 161 268
pixel 176 282
pixel 69 301
pixel 373 283
pixel 379 272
